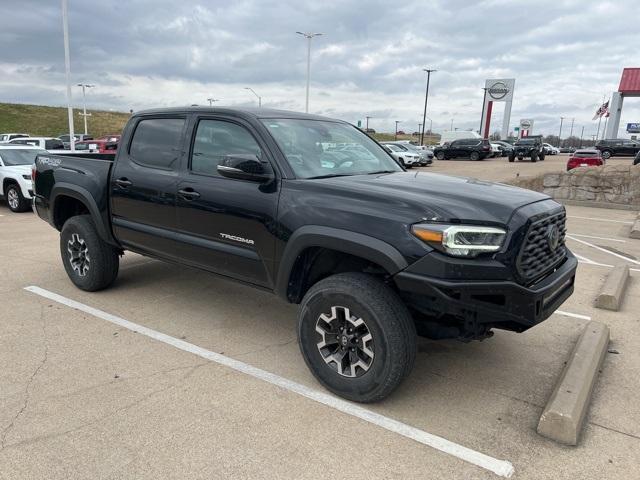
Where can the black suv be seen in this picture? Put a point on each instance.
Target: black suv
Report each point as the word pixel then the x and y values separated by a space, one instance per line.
pixel 609 148
pixel 472 148
pixel 531 147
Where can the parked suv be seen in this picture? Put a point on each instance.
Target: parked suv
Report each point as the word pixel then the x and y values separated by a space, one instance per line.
pixel 46 143
pixel 471 148
pixel 15 175
pixel 621 147
pixel 373 255
pixel 79 137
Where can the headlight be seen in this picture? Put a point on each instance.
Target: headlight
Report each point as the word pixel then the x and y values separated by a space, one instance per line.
pixel 461 240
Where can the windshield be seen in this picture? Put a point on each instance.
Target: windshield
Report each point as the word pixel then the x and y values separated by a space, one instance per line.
pixel 526 142
pixel 316 148
pixel 22 156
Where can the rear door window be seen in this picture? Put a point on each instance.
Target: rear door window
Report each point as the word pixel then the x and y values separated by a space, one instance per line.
pixel 157 142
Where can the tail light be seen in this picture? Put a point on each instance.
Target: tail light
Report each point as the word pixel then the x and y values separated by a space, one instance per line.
pixel 34 173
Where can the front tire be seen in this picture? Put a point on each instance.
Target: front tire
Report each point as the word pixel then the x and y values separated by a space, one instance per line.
pixel 534 157
pixel 606 154
pixel 90 262
pixel 440 155
pixel 512 158
pixel 15 200
pixel 356 336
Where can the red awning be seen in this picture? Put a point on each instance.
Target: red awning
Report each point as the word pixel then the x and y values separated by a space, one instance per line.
pixel 630 81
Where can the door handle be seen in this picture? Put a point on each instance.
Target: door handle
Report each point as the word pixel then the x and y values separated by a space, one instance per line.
pixel 188 194
pixel 123 182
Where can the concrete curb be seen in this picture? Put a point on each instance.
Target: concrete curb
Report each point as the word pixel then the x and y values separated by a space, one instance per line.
pixel 565 411
pixel 612 291
pixel 635 229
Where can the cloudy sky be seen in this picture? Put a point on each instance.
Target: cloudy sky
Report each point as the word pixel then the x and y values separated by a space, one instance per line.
pixel 564 54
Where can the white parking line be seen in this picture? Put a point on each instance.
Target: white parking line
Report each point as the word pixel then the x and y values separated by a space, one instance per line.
pixel 499 467
pixel 600 219
pixel 599 238
pixel 603 250
pixel 573 315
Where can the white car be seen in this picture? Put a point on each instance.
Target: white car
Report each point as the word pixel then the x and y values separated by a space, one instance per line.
pixel 7 137
pixel 15 175
pixel 402 154
pixel 46 143
pixel 550 149
pixel 496 150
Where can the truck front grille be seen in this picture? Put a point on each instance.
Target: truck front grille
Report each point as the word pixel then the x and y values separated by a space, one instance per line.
pixel 537 255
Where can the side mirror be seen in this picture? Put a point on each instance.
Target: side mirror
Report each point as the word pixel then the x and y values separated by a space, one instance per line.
pixel 245 167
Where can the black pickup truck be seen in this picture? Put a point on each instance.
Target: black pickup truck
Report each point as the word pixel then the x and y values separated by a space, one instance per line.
pixel 318 213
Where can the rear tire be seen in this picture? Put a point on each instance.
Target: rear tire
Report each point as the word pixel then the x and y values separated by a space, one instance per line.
pixel 542 156
pixel 606 154
pixel 90 262
pixel 512 158
pixel 15 200
pixel 378 347
pixel 475 156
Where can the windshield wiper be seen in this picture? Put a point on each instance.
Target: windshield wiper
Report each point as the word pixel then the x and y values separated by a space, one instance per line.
pixel 382 171
pixel 330 175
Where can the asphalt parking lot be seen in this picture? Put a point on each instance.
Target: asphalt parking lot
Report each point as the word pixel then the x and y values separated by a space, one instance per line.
pixel 82 397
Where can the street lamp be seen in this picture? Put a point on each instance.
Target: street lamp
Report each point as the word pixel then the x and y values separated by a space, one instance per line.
pixel 560 134
pixel 253 91
pixel 67 68
pixel 211 101
pixel 426 98
pixel 84 104
pixel 308 36
pixel 396 135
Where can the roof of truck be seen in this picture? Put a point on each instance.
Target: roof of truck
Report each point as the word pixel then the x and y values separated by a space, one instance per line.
pixel 251 112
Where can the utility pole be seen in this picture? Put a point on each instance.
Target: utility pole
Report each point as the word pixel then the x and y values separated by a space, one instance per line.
pixel 419 128
pixel 367 127
pixel 259 97
pixel 396 135
pixel 451 129
pixel 67 68
pixel 560 134
pixel 211 101
pixel 308 36
pixel 426 99
pixel 581 135
pixel 84 104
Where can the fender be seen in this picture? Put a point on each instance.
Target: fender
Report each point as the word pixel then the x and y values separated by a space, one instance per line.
pixel 364 246
pixel 100 218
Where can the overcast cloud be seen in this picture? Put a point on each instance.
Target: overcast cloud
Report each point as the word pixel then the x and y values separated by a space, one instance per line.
pixel 564 55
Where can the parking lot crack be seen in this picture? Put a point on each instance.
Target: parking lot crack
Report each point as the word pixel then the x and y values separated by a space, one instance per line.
pixel 27 390
pixel 626 434
pixel 266 347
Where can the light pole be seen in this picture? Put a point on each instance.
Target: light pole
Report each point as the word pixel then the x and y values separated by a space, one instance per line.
pixel 581 135
pixel 308 36
pixel 426 98
pixel 430 126
pixel 211 101
pixel 259 97
pixel 560 134
pixel 396 135
pixel 571 132
pixel 419 128
pixel 67 68
pixel 84 104
pixel 367 123
pixel 451 125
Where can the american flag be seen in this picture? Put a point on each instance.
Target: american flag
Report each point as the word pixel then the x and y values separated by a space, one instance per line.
pixel 602 111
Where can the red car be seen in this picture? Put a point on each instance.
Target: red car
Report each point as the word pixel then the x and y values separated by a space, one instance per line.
pixel 585 158
pixel 98 146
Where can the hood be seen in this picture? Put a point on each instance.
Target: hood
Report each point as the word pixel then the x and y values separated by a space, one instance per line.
pixel 436 197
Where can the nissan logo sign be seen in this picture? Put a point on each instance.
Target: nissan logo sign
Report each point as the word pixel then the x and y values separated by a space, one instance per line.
pixel 498 90
pixel 525 124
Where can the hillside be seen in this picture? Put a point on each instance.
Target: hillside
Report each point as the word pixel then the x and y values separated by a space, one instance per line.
pixel 38 120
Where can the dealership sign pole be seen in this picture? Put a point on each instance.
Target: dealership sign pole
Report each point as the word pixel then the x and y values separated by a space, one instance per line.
pixel 67 67
pixel 497 90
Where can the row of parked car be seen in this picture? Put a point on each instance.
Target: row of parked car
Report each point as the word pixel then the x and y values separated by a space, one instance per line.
pixel 19 150
pixel 84 143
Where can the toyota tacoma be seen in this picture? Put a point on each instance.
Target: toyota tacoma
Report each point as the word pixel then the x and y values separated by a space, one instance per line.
pixel 317 212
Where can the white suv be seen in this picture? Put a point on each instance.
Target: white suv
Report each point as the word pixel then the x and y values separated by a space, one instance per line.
pixel 402 154
pixel 15 175
pixel 47 143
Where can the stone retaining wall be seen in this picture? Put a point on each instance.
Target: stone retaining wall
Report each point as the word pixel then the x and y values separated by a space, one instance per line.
pixel 614 184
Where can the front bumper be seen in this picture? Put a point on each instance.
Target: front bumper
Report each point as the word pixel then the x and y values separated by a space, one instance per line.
pixel 474 307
